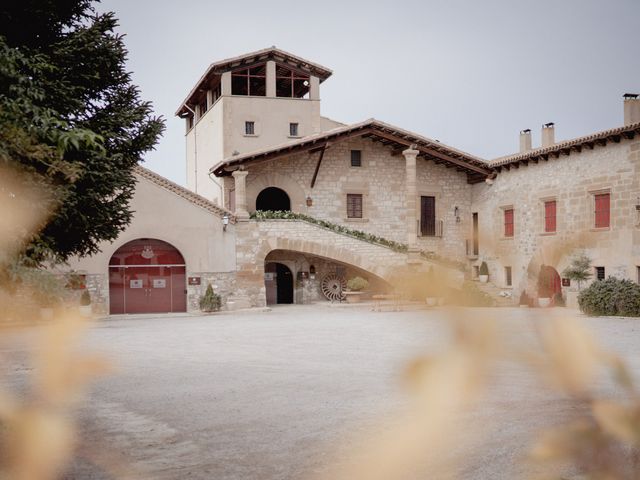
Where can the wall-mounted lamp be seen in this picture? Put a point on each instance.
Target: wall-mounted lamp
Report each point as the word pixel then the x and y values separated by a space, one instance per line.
pixel 456 213
pixel 312 272
pixel 225 222
pixel 309 201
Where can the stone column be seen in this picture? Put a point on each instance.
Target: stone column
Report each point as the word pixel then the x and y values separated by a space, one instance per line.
pixel 271 79
pixel 240 180
pixel 410 155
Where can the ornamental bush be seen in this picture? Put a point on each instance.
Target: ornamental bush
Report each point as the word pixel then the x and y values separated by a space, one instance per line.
pixel 357 284
pixel 484 269
pixel 612 296
pixel 210 301
pixel 85 298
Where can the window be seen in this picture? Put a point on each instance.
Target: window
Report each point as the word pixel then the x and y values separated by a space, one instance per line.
pixel 638 274
pixel 250 81
pixel 550 216
pixel 599 273
pixel 293 129
pixel 356 158
pixel 428 216
pixel 249 128
pixel 290 83
pixel 508 222
pixel 354 205
pixel 602 203
pixel 507 276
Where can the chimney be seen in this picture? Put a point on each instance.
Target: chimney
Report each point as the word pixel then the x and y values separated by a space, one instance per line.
pixel 525 140
pixel 631 108
pixel 548 134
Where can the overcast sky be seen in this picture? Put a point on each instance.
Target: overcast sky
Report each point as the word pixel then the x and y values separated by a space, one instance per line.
pixel 470 73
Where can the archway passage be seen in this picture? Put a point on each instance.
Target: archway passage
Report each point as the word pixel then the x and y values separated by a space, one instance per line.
pixel 278 281
pixel 147 276
pixel 551 281
pixel 273 198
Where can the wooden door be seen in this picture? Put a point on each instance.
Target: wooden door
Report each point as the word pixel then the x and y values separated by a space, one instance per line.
pixel 427 216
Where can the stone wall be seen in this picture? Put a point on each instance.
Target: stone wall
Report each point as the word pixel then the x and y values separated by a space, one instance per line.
pixel 381 181
pixel 572 181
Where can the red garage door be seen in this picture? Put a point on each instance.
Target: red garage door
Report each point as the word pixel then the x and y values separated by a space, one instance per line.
pixel 147 276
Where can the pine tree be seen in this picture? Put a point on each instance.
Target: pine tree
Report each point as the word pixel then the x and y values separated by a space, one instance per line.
pixel 71 121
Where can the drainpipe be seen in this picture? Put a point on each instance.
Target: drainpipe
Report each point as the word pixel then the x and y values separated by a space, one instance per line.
pixel 195 145
pixel 221 190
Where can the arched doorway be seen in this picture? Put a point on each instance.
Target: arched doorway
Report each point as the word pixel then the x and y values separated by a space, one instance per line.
pixel 147 276
pixel 549 282
pixel 273 198
pixel 278 282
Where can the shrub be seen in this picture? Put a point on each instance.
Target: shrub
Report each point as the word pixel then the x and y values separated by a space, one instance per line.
pixel 471 296
pixel 611 297
pixel 210 301
pixel 85 298
pixel 558 300
pixel 484 269
pixel 357 283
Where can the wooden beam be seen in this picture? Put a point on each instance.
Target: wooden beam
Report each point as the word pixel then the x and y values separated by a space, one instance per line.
pixel 315 173
pixel 433 153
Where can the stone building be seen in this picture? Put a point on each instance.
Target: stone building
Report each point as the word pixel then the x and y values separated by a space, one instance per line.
pixel 367 199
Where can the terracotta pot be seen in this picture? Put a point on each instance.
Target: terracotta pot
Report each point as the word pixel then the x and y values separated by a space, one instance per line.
pixel 544 302
pixel 483 278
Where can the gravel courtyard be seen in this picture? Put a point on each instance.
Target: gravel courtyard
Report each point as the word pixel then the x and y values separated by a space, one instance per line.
pixel 274 395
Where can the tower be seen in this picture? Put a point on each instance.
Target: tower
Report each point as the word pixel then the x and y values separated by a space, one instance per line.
pixel 248 103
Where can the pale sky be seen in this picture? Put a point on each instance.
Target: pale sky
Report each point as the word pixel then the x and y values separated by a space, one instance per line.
pixel 471 74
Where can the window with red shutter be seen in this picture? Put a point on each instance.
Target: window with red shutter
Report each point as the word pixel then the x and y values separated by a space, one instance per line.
pixel 550 216
pixel 508 223
pixel 602 210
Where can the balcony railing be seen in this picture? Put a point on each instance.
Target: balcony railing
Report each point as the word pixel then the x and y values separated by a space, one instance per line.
pixel 430 229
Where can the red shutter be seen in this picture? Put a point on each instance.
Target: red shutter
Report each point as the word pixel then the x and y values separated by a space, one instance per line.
pixel 602 216
pixel 550 216
pixel 508 223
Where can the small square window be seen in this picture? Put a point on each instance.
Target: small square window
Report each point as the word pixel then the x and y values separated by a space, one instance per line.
pixel 356 158
pixel 354 205
pixel 293 129
pixel 507 276
pixel 249 128
pixel 599 273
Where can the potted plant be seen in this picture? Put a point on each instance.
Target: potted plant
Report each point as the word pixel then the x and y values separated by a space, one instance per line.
pixel 354 289
pixel 85 304
pixel 525 301
pixel 483 275
pixel 210 301
pixel 545 288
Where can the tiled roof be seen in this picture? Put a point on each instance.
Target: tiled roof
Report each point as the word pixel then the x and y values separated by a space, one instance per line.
pixel 614 134
pixel 388 134
pixel 271 53
pixel 182 192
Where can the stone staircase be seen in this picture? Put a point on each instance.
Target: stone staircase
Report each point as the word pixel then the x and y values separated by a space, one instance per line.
pixel 494 292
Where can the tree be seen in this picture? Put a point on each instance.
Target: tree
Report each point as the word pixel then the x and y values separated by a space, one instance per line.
pixel 71 121
pixel 579 269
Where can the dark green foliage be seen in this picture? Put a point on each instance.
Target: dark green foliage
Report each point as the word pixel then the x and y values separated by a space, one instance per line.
pixel 85 298
pixel 579 270
pixel 484 269
pixel 71 120
pixel 210 301
pixel 611 297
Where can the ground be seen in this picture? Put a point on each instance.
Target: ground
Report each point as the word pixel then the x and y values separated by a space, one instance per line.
pixel 280 394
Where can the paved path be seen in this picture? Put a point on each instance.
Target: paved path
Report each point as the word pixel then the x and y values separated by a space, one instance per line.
pixel 265 396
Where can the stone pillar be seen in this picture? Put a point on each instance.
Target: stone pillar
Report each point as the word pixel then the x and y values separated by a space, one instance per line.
pixel 314 88
pixel 225 83
pixel 410 155
pixel 271 78
pixel 240 180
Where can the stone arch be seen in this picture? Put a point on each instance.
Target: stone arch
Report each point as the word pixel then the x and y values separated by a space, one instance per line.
pixel 273 198
pixel 291 187
pixel 329 251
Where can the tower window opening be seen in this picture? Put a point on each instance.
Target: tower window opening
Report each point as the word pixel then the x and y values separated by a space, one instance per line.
pixel 249 128
pixel 293 130
pixel 250 81
pixel 291 84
